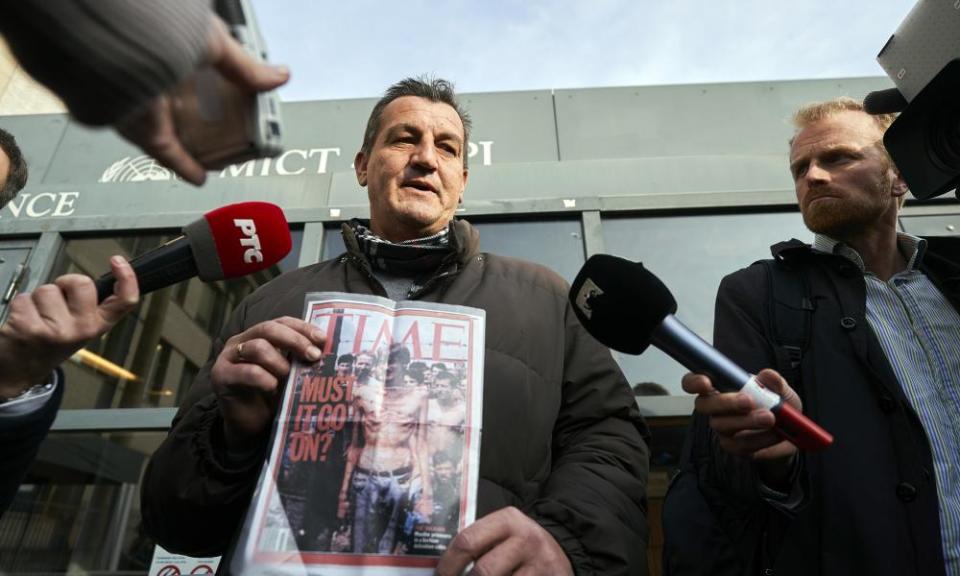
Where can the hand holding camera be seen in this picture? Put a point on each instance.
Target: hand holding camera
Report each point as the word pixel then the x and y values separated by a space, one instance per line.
pixel 174 129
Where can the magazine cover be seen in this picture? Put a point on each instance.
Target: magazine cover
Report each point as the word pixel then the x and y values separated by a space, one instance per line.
pixel 373 463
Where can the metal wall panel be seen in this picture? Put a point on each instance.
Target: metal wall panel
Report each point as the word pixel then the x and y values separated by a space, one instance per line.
pixel 85 155
pixel 690 120
pixel 152 204
pixel 630 177
pixel 641 143
pixel 511 127
pixel 946 225
pixel 320 137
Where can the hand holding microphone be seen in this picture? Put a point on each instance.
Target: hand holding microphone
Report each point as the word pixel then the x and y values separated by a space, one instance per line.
pixel 605 298
pixel 229 242
pixel 744 429
pixel 46 326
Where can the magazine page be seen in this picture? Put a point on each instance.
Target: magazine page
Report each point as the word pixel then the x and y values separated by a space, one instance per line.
pixel 373 465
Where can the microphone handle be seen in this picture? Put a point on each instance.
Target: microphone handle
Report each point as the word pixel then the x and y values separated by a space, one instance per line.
pixel 164 265
pixel 684 346
pixel 692 351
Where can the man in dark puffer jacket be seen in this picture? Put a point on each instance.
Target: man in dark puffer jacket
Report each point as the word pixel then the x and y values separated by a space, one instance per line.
pixel 563 461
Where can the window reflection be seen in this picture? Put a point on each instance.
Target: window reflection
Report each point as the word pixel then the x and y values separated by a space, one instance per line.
pixel 150 357
pixel 78 509
pixel 691 254
pixel 556 244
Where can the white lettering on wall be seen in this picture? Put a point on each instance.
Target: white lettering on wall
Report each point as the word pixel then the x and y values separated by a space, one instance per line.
pixel 293 162
pixel 486 146
pixel 324 154
pixel 32 205
pixel 245 169
pixel 66 201
pixel 282 169
pixel 16 205
pixel 43 204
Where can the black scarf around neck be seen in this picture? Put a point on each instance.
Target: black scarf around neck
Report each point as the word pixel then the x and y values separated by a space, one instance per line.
pixel 411 258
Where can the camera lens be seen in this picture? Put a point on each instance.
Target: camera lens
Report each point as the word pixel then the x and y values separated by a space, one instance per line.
pixel 944 137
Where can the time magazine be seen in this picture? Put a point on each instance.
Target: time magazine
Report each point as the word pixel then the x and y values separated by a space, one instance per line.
pixel 373 462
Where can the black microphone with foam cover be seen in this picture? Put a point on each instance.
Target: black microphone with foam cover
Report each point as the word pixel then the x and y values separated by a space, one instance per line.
pixel 627 308
pixel 228 242
pixel 884 102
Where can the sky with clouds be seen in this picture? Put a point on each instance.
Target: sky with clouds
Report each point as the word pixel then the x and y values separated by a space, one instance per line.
pixel 356 48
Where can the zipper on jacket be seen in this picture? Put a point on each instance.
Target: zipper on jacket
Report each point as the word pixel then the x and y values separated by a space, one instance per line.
pixel 430 283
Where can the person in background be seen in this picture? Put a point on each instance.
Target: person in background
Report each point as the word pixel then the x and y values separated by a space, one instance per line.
pixel 13 168
pixel 345 365
pixel 881 373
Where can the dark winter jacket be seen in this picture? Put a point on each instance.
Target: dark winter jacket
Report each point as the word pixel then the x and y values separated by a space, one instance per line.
pixel 563 440
pixel 870 500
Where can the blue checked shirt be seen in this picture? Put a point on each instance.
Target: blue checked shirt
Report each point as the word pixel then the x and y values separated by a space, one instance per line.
pixel 919 331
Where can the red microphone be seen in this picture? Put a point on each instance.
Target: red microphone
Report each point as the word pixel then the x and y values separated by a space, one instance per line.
pixel 228 242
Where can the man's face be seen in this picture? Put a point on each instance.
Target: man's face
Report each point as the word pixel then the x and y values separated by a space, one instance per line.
pixel 444 389
pixel 364 365
pixel 395 372
pixel 344 369
pixel 845 183
pixel 4 171
pixel 444 471
pixel 414 170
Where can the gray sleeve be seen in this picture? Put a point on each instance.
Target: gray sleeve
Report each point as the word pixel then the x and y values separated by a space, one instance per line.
pixel 105 58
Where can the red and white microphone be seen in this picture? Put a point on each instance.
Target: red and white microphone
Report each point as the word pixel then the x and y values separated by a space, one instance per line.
pixel 228 242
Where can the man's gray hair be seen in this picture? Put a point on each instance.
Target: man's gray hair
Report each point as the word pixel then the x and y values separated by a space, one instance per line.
pixel 17 177
pixel 432 89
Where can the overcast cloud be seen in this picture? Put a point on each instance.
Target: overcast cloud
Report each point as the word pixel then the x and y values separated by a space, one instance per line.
pixel 356 48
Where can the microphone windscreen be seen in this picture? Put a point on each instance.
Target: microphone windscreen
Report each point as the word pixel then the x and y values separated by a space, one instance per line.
pixel 884 102
pixel 620 302
pixel 239 239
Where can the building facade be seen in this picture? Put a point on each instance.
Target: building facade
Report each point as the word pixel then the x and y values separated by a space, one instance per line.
pixel 692 180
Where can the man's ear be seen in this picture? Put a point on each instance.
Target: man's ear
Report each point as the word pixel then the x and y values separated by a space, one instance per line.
pixel 466 174
pixel 898 184
pixel 360 167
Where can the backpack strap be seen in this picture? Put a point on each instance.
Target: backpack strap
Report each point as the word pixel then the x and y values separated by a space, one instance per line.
pixel 790 315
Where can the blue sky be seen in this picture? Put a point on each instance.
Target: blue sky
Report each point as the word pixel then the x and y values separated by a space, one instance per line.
pixel 356 48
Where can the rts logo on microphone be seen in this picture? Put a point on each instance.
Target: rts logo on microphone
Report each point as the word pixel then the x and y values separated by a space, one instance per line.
pixel 251 241
pixel 585 296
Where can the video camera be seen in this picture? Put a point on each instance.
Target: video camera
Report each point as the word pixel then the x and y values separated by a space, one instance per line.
pixel 923 60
